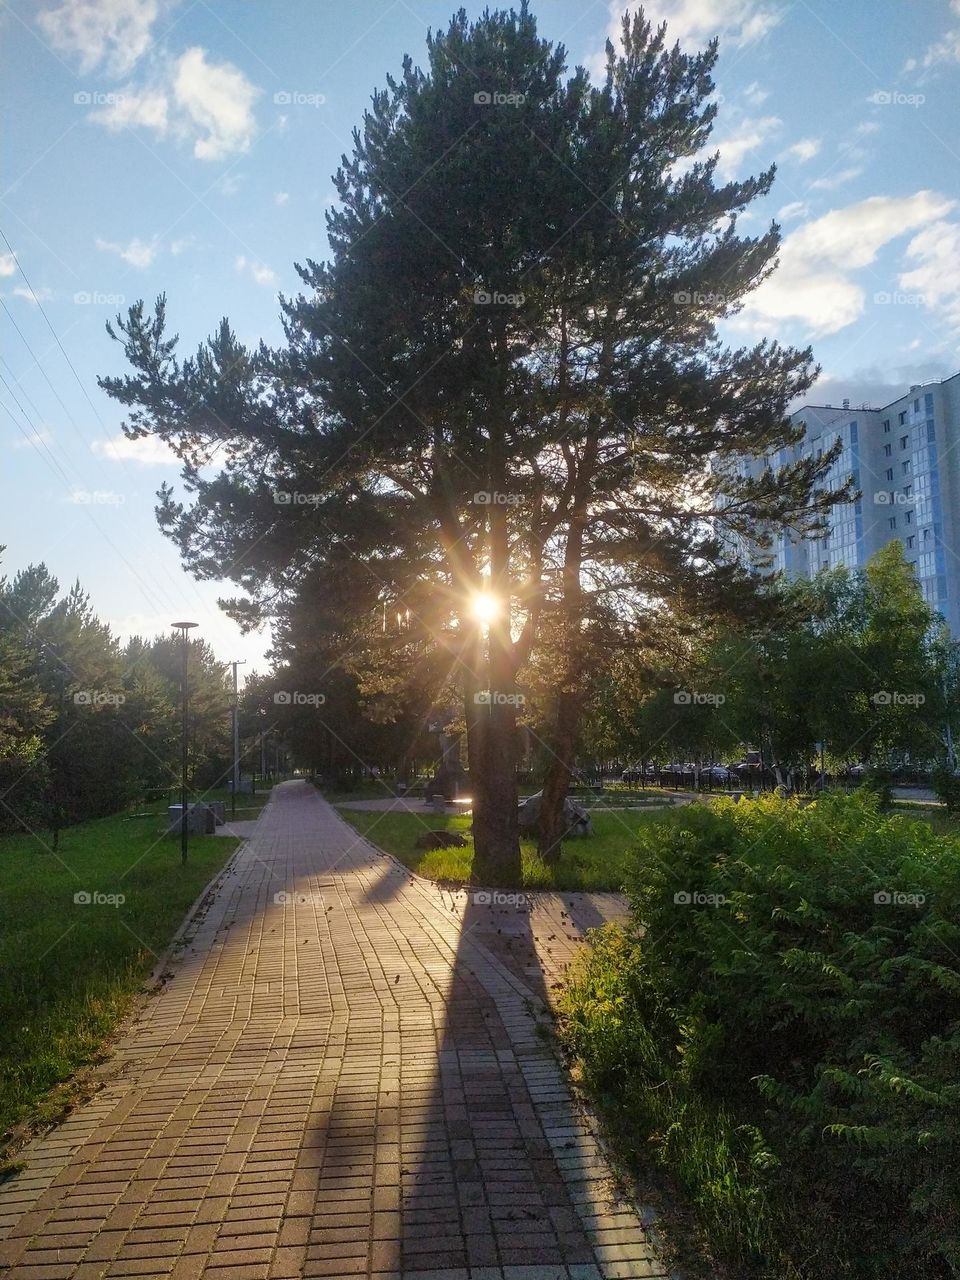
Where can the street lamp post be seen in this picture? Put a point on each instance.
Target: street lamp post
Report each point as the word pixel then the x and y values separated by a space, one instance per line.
pixel 184 629
pixel 236 741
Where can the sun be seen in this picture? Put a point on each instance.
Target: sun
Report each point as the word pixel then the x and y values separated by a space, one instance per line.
pixel 484 607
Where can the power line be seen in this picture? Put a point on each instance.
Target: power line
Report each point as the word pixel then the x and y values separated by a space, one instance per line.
pixel 56 337
pixel 85 439
pixel 35 441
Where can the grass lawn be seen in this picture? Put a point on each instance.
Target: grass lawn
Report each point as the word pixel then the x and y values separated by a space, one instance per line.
pixel 596 863
pixel 248 806
pixel 69 971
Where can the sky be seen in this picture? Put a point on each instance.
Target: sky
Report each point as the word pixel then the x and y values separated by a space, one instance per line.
pixel 188 148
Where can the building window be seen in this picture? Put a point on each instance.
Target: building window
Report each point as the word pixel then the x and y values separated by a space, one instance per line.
pixel 908 518
pixel 906 466
pixel 907 490
pixel 928 402
pixel 931 432
pixel 902 417
pixel 892 522
pixel 910 542
pixel 886 427
pixel 904 441
pixel 889 473
pixel 916 405
pixel 887 449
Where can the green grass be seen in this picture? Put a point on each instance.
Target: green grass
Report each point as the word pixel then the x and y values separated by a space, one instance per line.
pixel 369 789
pixel 69 972
pixel 248 806
pixel 594 864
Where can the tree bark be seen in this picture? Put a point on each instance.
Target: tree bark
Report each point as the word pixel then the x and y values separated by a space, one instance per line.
pixel 556 784
pixel 570 683
pixel 495 829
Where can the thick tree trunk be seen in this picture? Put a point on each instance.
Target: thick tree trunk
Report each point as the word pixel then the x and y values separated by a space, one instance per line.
pixel 495 835
pixel 495 829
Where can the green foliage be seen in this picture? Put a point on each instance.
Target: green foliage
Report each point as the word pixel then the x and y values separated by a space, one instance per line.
pixel 789 1038
pixel 878 781
pixel 946 784
pixel 88 725
pixel 856 661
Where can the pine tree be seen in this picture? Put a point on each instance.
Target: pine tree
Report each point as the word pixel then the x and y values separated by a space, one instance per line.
pixel 506 381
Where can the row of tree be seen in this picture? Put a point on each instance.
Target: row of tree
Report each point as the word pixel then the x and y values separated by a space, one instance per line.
pixel 851 666
pixel 88 724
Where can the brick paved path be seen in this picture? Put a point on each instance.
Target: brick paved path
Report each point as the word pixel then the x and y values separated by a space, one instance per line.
pixel 350 1083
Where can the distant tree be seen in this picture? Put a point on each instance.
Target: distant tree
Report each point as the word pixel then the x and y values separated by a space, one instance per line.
pixel 25 713
pixel 210 751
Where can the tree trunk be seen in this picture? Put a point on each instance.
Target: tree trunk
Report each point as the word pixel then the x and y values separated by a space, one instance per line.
pixel 495 829
pixel 570 684
pixel 496 838
pixel 557 781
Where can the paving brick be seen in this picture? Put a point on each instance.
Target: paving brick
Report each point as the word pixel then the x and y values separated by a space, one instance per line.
pixel 357 1090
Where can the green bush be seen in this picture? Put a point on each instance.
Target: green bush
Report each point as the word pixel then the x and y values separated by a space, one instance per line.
pixel 781 1022
pixel 878 781
pixel 946 784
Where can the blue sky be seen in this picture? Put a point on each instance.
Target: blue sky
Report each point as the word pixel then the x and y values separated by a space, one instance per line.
pixel 188 148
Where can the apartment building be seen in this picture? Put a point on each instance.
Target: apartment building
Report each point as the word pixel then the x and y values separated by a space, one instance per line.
pixel 905 460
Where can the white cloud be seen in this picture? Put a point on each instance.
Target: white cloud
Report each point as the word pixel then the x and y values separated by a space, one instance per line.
pixel 694 22
pixel 180 246
pixel 936 251
pixel 191 98
pixel 697 21
pixel 830 182
pixel 281 197
pixel 31 440
pixel 256 270
pixel 8 264
pixel 34 296
pixel 814 284
pixel 132 107
pixel 147 450
pixel 219 101
pixel 137 252
pixel 795 209
pixel 749 135
pixel 944 50
pixel 755 95
pixel 112 34
pixel 803 150
pixel 876 384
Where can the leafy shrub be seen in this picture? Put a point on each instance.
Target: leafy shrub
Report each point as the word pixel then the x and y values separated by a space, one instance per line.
pixel 878 781
pixel 782 1020
pixel 946 784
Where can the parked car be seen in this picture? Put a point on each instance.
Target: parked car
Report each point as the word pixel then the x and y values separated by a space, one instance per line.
pixel 717 773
